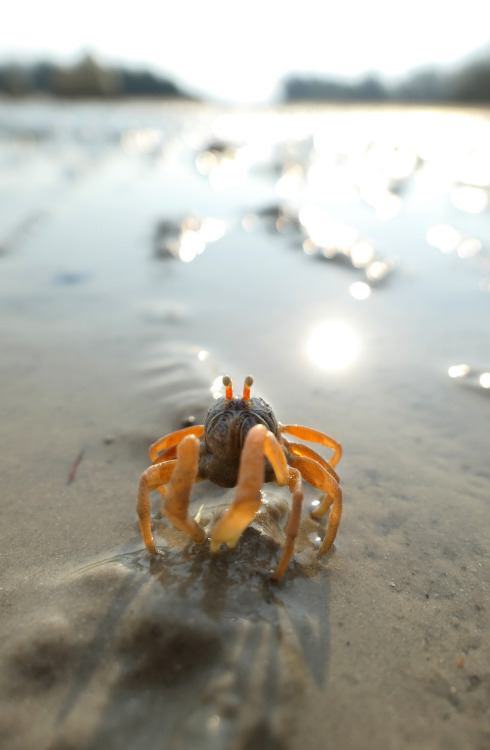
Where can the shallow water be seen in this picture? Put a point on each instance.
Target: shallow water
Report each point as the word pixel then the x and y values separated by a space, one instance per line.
pixel 347 267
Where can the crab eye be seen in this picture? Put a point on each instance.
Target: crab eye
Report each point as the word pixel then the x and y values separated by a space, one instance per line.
pixel 246 387
pixel 229 387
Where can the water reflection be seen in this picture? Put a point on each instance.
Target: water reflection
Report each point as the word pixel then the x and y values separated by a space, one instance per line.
pixel 345 169
pixel 444 237
pixel 470 247
pixel 447 239
pixel 485 380
pixel 471 376
pixel 468 198
pixel 458 371
pixel 327 234
pixel 275 217
pixel 226 164
pixel 217 388
pixel 186 238
pixel 334 239
pixel 141 141
pixel 360 290
pixel 338 169
pixel 333 345
pixel 321 235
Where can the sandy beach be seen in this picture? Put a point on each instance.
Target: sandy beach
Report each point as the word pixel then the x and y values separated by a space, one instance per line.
pixel 341 257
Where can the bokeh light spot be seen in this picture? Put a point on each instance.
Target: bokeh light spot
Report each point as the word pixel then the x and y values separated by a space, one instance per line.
pixel 333 345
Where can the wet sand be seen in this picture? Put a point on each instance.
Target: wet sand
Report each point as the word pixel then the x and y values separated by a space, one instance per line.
pixel 108 341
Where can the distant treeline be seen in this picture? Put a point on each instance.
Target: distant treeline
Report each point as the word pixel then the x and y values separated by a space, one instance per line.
pixel 87 78
pixel 469 84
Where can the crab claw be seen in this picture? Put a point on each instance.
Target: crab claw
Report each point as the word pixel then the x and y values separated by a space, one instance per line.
pixel 247 499
pixel 230 527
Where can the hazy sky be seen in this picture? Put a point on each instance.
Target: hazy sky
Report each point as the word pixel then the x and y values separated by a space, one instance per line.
pixel 239 50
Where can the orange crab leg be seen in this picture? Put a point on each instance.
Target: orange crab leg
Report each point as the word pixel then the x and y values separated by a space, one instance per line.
pixel 251 475
pixel 303 450
pixel 150 480
pixel 183 477
pixel 296 489
pixel 274 453
pixel 313 436
pixel 316 475
pixel 167 455
pixel 173 439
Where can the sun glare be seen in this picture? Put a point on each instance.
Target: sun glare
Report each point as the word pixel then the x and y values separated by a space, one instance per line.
pixel 333 346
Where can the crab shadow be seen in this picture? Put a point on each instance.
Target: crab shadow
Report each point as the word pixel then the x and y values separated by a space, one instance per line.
pixel 208 648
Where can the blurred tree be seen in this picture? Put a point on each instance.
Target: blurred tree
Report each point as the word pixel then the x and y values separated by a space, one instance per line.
pixel 14 80
pixel 426 85
pixel 42 76
pixel 86 78
pixel 144 83
pixel 471 84
pixel 302 88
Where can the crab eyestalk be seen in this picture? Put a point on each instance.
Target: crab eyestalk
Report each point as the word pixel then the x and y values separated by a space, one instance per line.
pixel 229 387
pixel 246 387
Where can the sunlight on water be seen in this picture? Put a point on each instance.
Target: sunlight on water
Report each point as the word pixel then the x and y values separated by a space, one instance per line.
pixel 333 345
pixel 471 199
pixel 469 247
pixel 377 270
pixel 360 290
pixel 217 388
pixel 191 245
pixel 444 237
pixel 187 238
pixel 485 380
pixel 327 233
pixel 141 141
pixel 458 371
pixel 361 254
pixel 226 164
pixel 386 204
pixel 212 229
pixel 470 376
pixel 447 239
pixel 291 180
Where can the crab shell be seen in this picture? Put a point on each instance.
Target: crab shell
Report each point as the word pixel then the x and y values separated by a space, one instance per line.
pixel 226 426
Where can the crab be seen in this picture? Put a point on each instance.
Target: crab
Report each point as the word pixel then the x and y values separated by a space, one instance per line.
pixel 241 445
